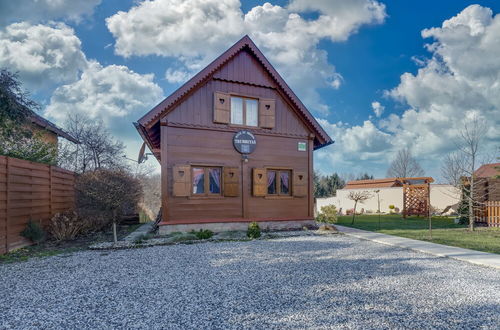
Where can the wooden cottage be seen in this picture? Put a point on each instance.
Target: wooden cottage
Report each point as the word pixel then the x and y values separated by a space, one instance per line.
pixel 235 145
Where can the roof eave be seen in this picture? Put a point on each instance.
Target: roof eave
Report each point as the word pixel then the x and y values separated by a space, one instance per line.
pixel 153 116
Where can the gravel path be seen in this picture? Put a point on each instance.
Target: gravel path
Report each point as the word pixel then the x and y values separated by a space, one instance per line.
pixel 298 282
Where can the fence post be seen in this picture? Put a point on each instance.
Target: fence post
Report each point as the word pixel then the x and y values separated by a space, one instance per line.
pixel 7 177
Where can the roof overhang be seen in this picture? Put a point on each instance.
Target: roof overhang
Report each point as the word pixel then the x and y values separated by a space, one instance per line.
pixel 151 119
pixel 51 127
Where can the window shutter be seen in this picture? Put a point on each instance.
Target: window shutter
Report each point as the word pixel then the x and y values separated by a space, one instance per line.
pixel 182 180
pixel 299 184
pixel 231 181
pixel 267 117
pixel 222 108
pixel 259 182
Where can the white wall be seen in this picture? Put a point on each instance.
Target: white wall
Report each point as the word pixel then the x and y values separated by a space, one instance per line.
pixel 441 197
pixel 444 195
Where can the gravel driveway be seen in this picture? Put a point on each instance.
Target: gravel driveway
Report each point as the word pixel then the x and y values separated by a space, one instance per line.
pixel 299 282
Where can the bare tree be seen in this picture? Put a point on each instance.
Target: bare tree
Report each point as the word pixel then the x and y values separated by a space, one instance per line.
pixel 358 196
pixel 404 165
pixel 98 149
pixel 458 167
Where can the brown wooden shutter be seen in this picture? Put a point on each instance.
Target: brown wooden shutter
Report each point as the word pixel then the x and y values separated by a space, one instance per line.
pixel 222 108
pixel 267 113
pixel 231 181
pixel 299 184
pixel 259 182
pixel 182 180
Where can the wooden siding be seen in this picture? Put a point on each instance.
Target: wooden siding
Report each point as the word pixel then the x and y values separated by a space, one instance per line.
pixel 197 110
pixel 30 190
pixel 245 68
pixel 214 147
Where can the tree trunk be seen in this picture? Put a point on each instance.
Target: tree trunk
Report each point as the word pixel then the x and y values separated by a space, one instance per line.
pixel 354 212
pixel 471 197
pixel 115 236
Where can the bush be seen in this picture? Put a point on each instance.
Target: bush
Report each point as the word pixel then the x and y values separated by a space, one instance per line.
pixel 463 212
pixel 34 232
pixel 203 233
pixel 103 194
pixel 392 207
pixel 253 230
pixel 65 226
pixel 328 214
pixel 93 221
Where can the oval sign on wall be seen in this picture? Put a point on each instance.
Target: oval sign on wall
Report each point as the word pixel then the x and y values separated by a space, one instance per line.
pixel 244 142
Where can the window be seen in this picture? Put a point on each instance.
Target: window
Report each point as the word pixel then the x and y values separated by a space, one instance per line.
pixel 206 181
pixel 278 182
pixel 244 111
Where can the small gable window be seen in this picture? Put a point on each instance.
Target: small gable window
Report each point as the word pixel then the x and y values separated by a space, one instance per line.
pixel 244 111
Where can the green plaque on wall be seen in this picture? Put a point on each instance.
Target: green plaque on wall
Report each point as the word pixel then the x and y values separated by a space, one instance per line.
pixel 302 146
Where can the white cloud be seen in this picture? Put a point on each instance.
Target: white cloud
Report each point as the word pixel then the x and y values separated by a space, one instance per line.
pixel 45 10
pixel 177 28
pixel 108 93
pixel 378 108
pixel 339 18
pixel 42 54
pixel 177 76
pixel 461 79
pixel 356 149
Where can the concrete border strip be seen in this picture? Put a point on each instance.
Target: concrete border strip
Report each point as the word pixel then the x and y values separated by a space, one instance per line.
pixel 471 256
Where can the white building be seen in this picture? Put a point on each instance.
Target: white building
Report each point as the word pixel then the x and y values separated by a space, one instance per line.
pixel 390 192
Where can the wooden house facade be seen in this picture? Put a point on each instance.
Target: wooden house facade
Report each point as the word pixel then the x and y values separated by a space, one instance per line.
pixel 235 145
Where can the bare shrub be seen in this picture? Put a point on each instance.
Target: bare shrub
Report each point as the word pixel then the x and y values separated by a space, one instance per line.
pixel 111 193
pixel 66 226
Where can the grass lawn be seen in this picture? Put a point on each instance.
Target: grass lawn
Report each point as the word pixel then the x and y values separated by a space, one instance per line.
pixel 444 230
pixel 51 248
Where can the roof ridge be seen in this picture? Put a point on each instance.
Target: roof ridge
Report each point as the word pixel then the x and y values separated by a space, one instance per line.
pixel 210 69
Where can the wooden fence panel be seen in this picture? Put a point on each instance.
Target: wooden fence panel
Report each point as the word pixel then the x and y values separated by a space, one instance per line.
pixel 493 211
pixel 3 204
pixel 30 190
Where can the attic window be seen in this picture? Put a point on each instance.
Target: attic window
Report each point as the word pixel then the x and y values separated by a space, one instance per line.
pixel 244 111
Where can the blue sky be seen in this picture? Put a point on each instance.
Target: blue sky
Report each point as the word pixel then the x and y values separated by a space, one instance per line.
pixel 339 56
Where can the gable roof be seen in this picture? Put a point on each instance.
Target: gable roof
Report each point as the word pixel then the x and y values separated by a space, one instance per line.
pixel 387 182
pixel 488 170
pixel 375 183
pixel 152 118
pixel 51 127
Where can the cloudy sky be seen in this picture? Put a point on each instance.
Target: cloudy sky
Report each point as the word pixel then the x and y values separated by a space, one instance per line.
pixel 378 75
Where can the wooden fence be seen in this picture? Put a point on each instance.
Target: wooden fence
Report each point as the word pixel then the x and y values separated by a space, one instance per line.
pixel 488 213
pixel 493 213
pixel 33 191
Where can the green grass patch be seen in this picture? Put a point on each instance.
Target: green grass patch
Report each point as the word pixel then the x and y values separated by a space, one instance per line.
pixel 143 217
pixel 49 248
pixel 444 230
pixel 26 253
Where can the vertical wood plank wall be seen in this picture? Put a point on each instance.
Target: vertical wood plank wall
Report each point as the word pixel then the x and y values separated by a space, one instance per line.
pixel 33 191
pixel 493 213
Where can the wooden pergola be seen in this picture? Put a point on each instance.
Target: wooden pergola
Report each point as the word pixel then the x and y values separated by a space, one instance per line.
pixel 416 195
